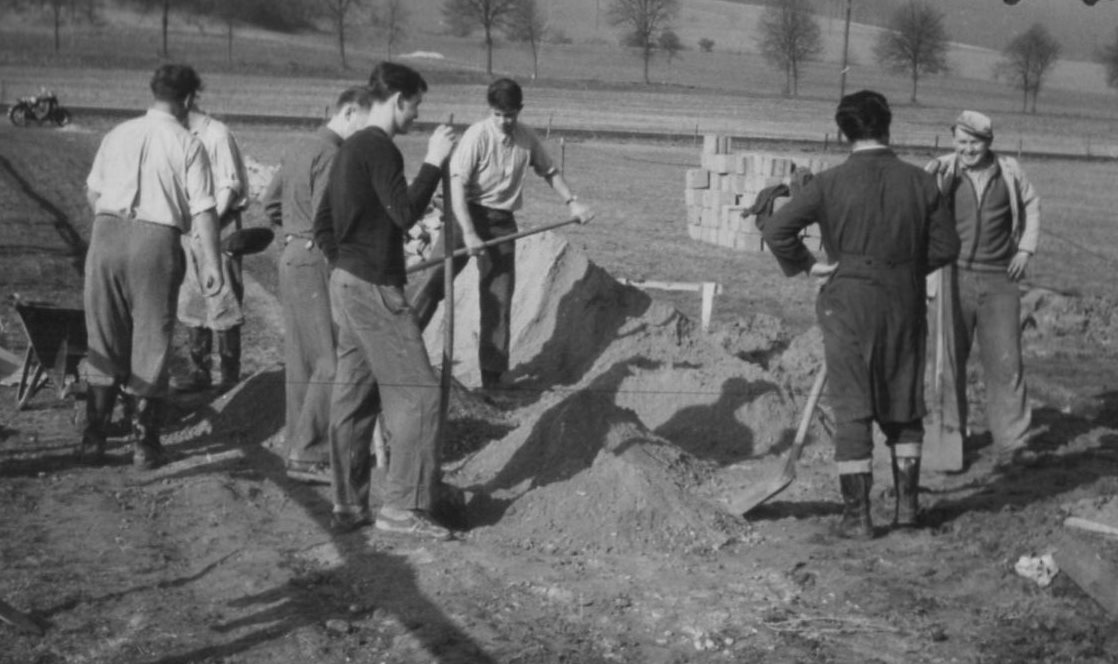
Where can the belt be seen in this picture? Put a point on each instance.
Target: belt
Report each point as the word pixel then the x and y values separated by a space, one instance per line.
pixel 861 260
pixel 291 237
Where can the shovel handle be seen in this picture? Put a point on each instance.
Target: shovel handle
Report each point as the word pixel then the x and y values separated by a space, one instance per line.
pixel 805 422
pixel 464 251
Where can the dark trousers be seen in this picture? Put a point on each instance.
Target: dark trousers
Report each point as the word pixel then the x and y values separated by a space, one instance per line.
pixel 308 347
pixel 989 310
pixel 496 283
pixel 132 275
pixel 382 363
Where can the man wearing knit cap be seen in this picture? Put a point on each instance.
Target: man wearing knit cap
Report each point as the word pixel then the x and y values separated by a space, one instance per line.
pixel 997 215
pixel 884 227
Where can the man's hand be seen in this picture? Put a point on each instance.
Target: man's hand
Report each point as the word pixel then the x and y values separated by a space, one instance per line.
pixel 211 278
pixel 1017 266
pixel 581 210
pixel 474 244
pixel 937 167
pixel 440 145
pixel 822 273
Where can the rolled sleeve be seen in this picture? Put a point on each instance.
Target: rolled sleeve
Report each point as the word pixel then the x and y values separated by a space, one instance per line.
pixel 199 180
pixel 539 158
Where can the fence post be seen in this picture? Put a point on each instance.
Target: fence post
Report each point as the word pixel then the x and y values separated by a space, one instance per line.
pixel 937 143
pixel 1020 146
pixel 826 140
pixel 562 154
pixel 696 134
pixel 550 116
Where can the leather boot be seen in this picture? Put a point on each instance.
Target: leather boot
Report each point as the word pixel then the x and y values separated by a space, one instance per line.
pixel 198 376
pixel 147 450
pixel 99 401
pixel 855 523
pixel 229 353
pixel 906 482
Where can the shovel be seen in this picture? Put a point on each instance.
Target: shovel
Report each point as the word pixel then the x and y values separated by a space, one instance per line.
pixel 430 263
pixel 740 503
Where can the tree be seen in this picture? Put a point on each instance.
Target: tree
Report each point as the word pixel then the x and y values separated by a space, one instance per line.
pixel 790 36
pixel 706 44
pixel 643 22
pixel 337 11
pixel 527 26
pixel 392 19
pixel 1109 60
pixel 489 15
pixel 1027 59
pixel 915 42
pixel 164 7
pixel 669 43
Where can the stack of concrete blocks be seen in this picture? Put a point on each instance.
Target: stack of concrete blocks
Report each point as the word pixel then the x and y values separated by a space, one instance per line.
pixel 727 183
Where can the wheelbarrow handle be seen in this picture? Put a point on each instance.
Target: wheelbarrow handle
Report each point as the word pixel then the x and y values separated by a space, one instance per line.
pixel 464 251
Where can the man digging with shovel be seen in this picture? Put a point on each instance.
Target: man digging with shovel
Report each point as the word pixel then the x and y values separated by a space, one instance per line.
pixel 884 227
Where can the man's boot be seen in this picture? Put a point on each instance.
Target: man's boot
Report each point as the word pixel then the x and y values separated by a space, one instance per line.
pixel 906 482
pixel 229 354
pixel 855 523
pixel 147 450
pixel 99 401
pixel 198 376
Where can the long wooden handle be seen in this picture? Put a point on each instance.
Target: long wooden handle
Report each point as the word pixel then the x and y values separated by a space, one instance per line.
pixel 805 421
pixel 427 264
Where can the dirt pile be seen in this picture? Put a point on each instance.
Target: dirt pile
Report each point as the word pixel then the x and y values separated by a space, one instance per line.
pixel 630 409
pixel 1046 313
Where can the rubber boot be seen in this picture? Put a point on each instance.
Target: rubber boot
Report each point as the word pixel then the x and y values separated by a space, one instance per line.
pixel 906 482
pixel 147 450
pixel 229 354
pixel 198 376
pixel 856 522
pixel 99 402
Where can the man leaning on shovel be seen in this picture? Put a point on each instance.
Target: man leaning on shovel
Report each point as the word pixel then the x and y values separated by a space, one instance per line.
pixel 885 227
pixel 486 180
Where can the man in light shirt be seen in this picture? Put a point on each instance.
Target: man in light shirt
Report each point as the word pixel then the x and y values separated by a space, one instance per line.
pixel 486 181
pixel 149 184
pixel 222 315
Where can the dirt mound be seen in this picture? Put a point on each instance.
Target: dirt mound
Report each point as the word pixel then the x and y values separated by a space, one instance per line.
pixel 634 410
pixel 1046 313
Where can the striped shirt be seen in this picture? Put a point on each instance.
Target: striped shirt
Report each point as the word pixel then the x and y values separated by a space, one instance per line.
pixel 492 164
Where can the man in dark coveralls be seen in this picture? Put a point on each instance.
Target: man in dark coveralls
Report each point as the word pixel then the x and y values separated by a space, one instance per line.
pixel 884 227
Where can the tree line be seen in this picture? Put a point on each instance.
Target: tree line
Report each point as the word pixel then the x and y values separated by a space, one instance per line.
pixel 914 41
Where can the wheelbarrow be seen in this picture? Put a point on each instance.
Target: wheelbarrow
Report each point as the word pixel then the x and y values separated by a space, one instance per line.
pixel 56 344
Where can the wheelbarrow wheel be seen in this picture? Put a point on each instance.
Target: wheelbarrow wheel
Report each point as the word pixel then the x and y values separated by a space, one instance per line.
pixel 31 378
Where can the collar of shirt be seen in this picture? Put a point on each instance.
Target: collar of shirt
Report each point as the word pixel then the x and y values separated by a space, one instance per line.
pixel 159 114
pixel 329 135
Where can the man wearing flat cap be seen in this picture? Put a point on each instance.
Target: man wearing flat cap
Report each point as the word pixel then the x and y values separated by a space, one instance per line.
pixel 997 215
pixel 884 227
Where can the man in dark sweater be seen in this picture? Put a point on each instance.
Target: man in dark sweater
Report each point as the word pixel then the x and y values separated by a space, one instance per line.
pixel 884 227
pixel 382 361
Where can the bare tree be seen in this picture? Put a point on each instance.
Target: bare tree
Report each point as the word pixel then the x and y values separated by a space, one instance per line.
pixel 392 20
pixel 528 26
pixel 643 22
pixel 1027 59
pixel 338 11
pixel 489 15
pixel 915 42
pixel 1108 58
pixel 790 37
pixel 164 7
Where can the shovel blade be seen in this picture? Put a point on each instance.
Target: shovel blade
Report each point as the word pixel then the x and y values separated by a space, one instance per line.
pixel 740 503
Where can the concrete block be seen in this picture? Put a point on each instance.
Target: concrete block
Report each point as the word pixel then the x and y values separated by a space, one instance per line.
pixel 718 163
pixel 692 197
pixel 698 178
pixel 694 231
pixel 749 241
pixel 711 143
pixel 731 216
pixel 694 215
pixel 709 217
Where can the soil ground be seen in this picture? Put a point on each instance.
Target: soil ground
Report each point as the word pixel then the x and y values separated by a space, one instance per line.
pixel 590 533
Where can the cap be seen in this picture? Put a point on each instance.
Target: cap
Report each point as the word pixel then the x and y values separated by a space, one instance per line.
pixel 975 124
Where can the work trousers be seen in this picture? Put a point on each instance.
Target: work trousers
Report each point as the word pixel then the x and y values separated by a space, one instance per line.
pixel 988 310
pixel 308 346
pixel 496 284
pixel 854 442
pixel 382 363
pixel 132 275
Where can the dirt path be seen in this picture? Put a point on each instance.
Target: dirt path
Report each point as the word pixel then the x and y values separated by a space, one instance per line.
pixel 218 557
